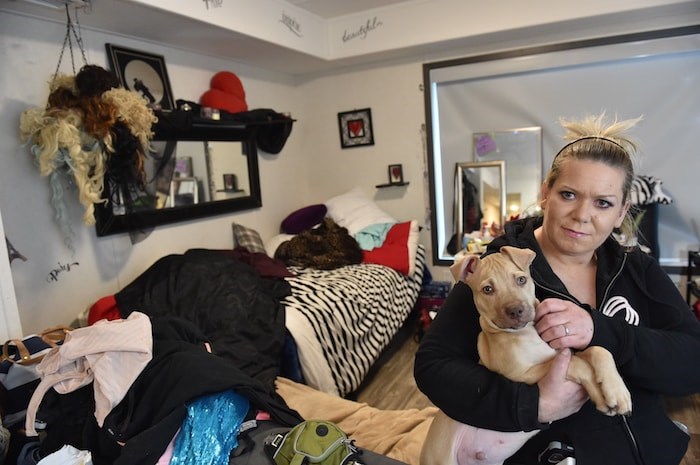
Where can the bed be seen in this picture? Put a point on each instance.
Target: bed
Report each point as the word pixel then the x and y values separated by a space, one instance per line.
pixel 323 327
pixel 341 320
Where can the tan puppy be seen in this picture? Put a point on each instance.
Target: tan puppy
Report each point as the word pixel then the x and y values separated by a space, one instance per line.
pixel 504 295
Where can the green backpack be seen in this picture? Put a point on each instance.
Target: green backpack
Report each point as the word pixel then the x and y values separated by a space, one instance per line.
pixel 313 442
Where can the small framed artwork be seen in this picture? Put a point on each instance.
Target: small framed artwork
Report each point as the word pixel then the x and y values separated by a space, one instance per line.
pixel 144 73
pixel 183 167
pixel 356 128
pixel 395 174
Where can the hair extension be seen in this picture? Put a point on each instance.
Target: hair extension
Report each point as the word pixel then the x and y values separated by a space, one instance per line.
pixel 98 116
pixel 59 207
pixel 133 111
pixel 93 81
pixel 93 131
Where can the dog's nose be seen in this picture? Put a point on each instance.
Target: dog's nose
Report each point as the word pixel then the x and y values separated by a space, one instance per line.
pixel 515 312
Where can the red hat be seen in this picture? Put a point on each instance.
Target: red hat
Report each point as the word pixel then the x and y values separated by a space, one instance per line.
pixel 226 93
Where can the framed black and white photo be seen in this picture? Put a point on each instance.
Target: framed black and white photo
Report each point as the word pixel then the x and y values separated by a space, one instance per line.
pixel 355 128
pixel 144 73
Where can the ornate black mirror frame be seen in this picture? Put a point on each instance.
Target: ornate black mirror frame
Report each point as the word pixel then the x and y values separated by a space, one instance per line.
pixel 108 223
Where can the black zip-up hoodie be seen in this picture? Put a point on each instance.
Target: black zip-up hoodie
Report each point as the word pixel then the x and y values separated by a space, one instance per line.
pixel 640 317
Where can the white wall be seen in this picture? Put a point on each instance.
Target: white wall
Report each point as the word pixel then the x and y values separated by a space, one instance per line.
pixel 29 51
pixel 311 168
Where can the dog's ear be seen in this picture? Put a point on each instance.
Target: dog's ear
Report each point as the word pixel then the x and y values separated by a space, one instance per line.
pixel 521 257
pixel 464 266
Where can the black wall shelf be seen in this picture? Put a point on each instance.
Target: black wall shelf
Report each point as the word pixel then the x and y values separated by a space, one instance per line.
pixel 391 184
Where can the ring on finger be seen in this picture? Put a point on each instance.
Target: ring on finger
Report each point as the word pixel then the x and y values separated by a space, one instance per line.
pixel 566 330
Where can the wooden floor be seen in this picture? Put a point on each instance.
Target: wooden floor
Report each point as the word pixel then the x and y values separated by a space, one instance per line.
pixel 391 387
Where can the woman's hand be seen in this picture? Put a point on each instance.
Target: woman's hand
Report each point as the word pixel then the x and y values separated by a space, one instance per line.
pixel 559 397
pixel 562 323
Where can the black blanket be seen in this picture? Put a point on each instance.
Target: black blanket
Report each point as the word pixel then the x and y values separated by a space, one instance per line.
pixel 233 306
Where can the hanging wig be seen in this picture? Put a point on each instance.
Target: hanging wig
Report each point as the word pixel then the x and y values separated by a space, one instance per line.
pixel 87 122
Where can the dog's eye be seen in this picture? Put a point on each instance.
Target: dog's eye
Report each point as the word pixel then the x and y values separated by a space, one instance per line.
pixel 521 280
pixel 487 289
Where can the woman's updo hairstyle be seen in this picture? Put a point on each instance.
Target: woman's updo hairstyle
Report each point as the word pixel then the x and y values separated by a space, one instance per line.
pixel 596 139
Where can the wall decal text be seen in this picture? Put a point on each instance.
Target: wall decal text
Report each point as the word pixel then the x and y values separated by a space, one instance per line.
pixel 363 30
pixel 53 275
pixel 291 23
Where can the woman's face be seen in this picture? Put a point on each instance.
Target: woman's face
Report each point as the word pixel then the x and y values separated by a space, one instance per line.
pixel 582 207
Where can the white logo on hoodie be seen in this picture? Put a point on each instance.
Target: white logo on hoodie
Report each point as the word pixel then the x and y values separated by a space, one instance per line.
pixel 620 304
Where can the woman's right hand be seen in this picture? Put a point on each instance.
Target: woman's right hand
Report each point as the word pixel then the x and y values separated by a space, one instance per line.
pixel 559 397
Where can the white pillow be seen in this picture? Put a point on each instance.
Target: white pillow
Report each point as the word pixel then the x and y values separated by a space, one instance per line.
pixel 274 242
pixel 355 211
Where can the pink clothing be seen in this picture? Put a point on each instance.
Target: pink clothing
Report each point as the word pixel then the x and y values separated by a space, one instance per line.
pixel 111 354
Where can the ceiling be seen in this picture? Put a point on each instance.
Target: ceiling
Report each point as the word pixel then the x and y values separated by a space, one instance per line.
pixel 332 8
pixel 140 20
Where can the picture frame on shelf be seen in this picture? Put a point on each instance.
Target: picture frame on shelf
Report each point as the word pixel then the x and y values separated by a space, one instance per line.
pixel 356 128
pixel 144 73
pixel 395 174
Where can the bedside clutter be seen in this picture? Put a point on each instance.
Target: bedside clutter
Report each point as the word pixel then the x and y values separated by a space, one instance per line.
pixel 431 298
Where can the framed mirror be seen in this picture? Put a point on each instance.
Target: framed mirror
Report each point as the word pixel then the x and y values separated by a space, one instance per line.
pixel 207 169
pixel 480 201
pixel 536 86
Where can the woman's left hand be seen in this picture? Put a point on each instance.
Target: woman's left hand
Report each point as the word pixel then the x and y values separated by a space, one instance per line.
pixel 562 323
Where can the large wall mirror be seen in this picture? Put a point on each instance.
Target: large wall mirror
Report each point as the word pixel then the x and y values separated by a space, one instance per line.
pixel 473 103
pixel 202 171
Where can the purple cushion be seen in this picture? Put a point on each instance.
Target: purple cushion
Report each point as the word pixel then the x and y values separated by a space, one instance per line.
pixel 303 219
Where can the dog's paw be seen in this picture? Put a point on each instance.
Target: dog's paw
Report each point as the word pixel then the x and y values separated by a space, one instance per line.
pixel 618 400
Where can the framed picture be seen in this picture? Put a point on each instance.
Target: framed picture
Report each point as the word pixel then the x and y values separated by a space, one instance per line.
pixel 395 174
pixel 142 72
pixel 183 167
pixel 355 128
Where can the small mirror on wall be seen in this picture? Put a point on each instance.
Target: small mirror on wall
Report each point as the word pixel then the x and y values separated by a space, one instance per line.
pixel 480 201
pixel 521 150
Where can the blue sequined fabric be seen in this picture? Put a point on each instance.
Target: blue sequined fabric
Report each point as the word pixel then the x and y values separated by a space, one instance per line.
pixel 210 431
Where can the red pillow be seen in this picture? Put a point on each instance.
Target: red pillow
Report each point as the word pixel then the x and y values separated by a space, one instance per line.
pixel 396 251
pixel 104 308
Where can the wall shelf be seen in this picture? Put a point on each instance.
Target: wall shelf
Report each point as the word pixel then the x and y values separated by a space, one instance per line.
pixel 391 184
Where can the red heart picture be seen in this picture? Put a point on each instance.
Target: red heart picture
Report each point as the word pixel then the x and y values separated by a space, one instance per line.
pixel 356 128
pixel 396 172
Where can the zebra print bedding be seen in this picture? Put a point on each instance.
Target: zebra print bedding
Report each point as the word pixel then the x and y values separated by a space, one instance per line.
pixel 341 320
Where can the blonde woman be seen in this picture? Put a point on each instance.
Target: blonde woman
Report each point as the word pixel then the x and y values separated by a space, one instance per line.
pixel 593 291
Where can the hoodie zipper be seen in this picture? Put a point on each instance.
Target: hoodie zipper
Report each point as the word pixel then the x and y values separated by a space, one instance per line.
pixel 628 430
pixel 614 278
pixel 633 441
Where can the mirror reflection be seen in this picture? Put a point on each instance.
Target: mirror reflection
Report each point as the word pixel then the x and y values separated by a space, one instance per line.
pixel 197 172
pixel 201 172
pixel 520 152
pixel 480 204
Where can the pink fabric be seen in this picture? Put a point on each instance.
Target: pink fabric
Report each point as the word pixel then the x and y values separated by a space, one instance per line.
pixel 111 354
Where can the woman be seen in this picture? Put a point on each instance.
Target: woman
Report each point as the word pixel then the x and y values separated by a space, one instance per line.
pixel 593 291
